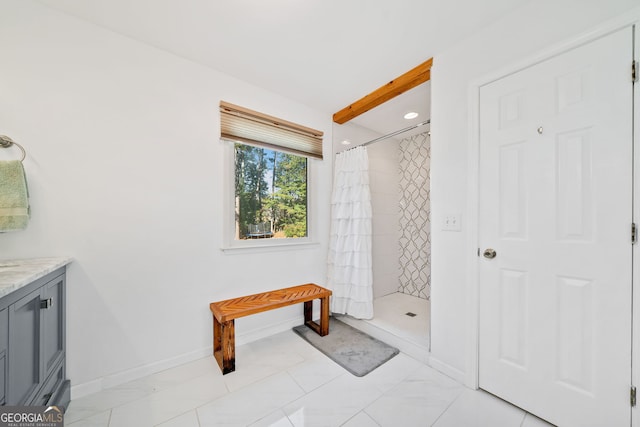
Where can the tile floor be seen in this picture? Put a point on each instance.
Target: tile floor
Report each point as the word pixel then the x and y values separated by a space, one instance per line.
pixel 391 314
pixel 283 381
pixel 392 325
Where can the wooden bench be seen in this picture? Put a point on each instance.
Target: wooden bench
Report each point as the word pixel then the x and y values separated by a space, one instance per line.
pixel 225 312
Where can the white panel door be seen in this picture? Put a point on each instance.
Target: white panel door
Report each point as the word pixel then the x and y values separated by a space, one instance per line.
pixel 555 204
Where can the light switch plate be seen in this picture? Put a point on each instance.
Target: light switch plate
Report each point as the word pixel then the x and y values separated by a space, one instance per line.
pixel 452 222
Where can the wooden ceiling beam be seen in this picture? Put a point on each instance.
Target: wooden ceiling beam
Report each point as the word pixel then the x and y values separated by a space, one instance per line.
pixel 395 87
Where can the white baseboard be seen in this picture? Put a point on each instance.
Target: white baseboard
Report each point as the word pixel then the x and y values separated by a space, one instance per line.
pixel 113 380
pixel 99 384
pixel 447 369
pixel 152 368
pixel 85 389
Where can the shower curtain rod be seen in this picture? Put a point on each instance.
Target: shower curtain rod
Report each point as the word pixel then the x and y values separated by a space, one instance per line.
pixel 392 134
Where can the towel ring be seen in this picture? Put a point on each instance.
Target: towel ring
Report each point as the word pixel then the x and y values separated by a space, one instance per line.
pixel 6 142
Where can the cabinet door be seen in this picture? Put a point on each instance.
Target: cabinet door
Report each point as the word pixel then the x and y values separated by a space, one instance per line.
pixel 24 349
pixel 53 300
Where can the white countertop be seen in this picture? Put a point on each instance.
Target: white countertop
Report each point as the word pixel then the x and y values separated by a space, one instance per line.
pixel 14 274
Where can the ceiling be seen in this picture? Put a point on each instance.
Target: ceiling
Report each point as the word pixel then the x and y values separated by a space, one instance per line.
pixel 389 117
pixel 323 53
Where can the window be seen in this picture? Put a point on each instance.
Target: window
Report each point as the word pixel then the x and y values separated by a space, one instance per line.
pixel 269 171
pixel 270 193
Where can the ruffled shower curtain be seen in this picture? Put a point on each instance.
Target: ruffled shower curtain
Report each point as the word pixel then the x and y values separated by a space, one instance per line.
pixel 350 275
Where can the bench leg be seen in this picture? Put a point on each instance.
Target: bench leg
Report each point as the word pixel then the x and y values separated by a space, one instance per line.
pixel 224 345
pixel 323 328
pixel 324 316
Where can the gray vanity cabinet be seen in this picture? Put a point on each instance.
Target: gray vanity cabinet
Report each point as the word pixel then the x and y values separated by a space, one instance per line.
pixel 52 352
pixel 24 351
pixel 4 346
pixel 53 316
pixel 35 354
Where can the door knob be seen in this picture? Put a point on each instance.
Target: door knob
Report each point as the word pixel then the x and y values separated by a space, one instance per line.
pixel 489 253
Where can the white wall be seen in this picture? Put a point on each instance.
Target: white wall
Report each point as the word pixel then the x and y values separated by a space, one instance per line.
pixel 526 33
pixel 125 173
pixel 385 201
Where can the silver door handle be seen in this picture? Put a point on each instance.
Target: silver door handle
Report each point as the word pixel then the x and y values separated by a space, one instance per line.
pixel 489 253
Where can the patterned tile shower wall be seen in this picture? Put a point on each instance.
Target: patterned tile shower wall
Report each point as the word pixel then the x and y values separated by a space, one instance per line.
pixel 415 216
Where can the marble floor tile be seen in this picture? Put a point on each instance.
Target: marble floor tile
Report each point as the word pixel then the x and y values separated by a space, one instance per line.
pixel 167 404
pixel 315 372
pixel 98 420
pixel 333 403
pixel 533 421
pixel 128 392
pixel 252 403
pixel 392 372
pixel 266 357
pixel 282 381
pixel 97 403
pixel 361 420
pixel 422 397
pixel 476 408
pixel 189 419
pixel 275 419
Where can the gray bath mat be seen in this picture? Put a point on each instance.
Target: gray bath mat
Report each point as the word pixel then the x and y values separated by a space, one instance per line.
pixel 350 348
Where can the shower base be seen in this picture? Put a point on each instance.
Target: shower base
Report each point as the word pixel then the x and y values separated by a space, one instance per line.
pixel 392 325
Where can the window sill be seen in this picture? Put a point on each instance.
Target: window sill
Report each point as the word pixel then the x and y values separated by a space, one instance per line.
pixel 267 246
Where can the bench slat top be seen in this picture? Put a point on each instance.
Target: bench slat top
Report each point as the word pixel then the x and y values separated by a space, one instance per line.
pixel 244 306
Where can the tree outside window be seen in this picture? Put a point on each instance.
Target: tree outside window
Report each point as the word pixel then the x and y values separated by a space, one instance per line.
pixel 270 193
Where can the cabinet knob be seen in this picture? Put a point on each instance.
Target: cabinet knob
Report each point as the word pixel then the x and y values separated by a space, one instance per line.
pixel 46 304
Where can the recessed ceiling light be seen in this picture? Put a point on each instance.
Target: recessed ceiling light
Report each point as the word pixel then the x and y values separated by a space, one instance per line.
pixel 345 142
pixel 411 115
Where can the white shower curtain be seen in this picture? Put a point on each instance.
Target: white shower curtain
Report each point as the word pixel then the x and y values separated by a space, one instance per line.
pixel 350 275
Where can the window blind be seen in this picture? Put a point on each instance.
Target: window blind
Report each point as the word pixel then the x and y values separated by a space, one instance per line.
pixel 246 126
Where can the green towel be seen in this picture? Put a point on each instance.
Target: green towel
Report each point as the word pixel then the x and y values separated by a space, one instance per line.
pixel 14 196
